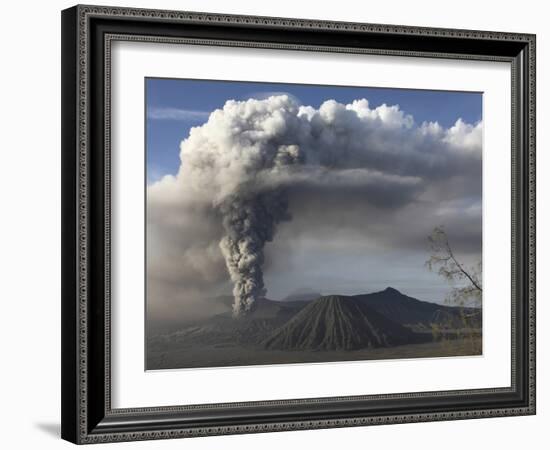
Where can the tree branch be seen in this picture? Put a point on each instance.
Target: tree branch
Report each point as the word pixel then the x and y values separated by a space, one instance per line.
pixel 466 274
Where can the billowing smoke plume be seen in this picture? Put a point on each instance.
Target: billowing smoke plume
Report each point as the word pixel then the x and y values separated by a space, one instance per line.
pixel 244 165
pixel 249 223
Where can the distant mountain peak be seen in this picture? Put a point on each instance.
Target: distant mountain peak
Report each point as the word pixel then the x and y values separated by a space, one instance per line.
pixel 302 294
pixel 391 290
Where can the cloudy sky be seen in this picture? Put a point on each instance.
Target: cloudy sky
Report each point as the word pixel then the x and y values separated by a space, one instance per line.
pixel 269 188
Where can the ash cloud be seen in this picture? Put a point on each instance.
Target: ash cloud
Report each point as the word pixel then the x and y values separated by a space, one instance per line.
pixel 248 224
pixel 257 163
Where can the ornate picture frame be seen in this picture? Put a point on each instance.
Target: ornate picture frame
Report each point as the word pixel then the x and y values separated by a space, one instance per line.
pixel 88 33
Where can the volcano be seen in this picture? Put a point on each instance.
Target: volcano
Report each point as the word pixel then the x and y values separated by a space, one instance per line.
pixel 338 322
pixel 406 310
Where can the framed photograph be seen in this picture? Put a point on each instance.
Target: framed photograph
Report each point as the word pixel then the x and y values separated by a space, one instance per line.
pixel 279 224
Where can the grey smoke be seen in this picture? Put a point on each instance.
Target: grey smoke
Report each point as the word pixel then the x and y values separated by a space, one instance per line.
pixel 249 223
pixel 241 169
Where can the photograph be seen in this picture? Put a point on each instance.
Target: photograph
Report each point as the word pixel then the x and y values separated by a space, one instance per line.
pixel 303 223
pixel 273 222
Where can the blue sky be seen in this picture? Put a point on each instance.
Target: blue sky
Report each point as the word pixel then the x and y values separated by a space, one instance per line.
pixel 174 106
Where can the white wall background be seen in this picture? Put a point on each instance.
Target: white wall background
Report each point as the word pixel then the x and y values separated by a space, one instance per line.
pixel 30 225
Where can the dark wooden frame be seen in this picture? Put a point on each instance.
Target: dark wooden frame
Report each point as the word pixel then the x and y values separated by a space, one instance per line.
pixel 87 32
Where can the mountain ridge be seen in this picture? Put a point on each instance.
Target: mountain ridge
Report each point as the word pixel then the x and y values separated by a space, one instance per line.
pixel 408 310
pixel 383 318
pixel 336 322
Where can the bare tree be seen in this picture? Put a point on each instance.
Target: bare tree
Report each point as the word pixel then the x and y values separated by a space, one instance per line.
pixel 467 282
pixel 466 292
